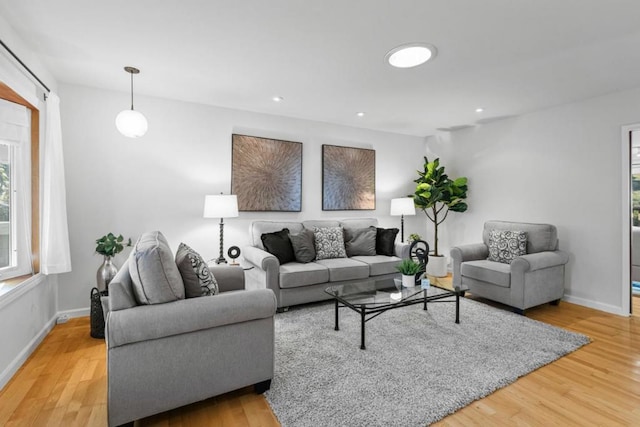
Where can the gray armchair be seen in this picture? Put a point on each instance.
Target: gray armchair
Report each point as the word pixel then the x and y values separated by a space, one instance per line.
pixel 529 280
pixel 164 356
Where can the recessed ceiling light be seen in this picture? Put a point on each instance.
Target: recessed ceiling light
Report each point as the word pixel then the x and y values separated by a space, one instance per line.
pixel 277 99
pixel 479 110
pixel 360 114
pixel 410 55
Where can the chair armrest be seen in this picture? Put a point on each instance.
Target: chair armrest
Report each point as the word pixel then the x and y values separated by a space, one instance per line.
pixel 228 277
pixel 539 260
pixel 472 252
pixel 148 322
pixel 260 259
pixel 401 250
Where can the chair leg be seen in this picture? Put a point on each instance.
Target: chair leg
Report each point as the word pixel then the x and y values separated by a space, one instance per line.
pixel 262 386
pixel 282 309
pixel 555 302
pixel 518 311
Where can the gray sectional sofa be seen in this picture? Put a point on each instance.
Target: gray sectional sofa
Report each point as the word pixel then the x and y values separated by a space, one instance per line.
pixel 298 283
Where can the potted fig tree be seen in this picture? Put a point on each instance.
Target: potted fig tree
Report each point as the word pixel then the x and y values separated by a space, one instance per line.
pixel 436 195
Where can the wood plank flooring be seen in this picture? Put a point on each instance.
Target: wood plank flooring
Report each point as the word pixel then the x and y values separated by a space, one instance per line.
pixel 64 384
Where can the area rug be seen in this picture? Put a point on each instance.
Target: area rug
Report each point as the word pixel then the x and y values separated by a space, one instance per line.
pixel 419 366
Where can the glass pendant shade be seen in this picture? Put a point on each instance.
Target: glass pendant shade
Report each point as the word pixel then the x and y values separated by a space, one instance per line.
pixel 131 123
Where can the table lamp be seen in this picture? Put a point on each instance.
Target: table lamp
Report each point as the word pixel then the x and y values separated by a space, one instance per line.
pixel 402 206
pixel 221 206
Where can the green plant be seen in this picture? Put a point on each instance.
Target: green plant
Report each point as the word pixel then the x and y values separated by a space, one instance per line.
pixel 408 267
pixel 436 194
pixel 111 244
pixel 413 237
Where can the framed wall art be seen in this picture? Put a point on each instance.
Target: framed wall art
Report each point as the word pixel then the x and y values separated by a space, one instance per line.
pixel 348 178
pixel 266 174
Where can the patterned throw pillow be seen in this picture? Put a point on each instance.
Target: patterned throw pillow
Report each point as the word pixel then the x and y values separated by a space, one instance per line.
pixel 197 278
pixel 329 242
pixel 505 246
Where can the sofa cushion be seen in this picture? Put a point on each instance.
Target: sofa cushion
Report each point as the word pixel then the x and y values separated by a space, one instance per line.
pixel 312 224
pixel 196 276
pixel 540 237
pixel 329 242
pixel 345 269
pixel 505 245
pixel 294 274
pixel 380 264
pixel 279 245
pixel 354 223
pixel 303 246
pixel 360 241
pixel 154 273
pixel 385 241
pixel 497 273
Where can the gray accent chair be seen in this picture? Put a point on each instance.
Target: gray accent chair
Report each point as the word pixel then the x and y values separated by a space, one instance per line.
pixel 163 356
pixel 530 280
pixel 296 283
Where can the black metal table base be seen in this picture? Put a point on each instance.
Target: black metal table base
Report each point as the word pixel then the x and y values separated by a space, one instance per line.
pixel 373 312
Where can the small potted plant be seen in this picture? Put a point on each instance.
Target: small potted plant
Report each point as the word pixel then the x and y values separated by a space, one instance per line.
pixel 413 237
pixel 108 246
pixel 408 268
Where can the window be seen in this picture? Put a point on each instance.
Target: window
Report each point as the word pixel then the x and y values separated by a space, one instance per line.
pixel 15 171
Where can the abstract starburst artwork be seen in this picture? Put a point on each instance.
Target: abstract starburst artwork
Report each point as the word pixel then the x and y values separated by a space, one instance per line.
pixel 266 174
pixel 348 178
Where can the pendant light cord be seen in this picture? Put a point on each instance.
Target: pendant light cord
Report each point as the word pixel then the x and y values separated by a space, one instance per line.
pixel 131 91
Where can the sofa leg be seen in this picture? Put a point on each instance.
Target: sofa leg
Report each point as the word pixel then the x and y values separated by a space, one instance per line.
pixel 262 386
pixel 282 309
pixel 129 424
pixel 518 311
pixel 555 302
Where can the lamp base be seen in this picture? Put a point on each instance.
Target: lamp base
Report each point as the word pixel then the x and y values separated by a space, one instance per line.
pixel 221 260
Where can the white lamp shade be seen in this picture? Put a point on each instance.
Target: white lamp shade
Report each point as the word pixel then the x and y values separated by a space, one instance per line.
pixel 403 206
pixel 221 206
pixel 131 123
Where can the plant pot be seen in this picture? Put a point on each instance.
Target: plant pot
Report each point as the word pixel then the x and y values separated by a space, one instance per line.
pixel 408 281
pixel 437 266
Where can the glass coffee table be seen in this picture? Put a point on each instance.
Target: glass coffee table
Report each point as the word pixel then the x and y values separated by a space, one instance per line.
pixel 370 300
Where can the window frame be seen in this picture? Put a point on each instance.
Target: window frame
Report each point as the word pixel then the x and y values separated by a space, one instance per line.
pixel 10 95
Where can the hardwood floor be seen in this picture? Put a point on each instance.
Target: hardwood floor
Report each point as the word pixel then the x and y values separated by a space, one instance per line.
pixel 63 383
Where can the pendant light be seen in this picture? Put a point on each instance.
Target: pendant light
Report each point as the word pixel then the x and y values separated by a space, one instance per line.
pixel 131 123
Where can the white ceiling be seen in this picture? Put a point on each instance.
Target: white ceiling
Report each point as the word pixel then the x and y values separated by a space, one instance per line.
pixel 326 58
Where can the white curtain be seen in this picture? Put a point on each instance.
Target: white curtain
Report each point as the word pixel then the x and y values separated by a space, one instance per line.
pixel 56 257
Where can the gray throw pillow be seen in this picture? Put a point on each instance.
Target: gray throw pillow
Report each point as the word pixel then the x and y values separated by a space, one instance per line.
pixel 303 246
pixel 505 246
pixel 329 242
pixel 360 241
pixel 197 278
pixel 154 273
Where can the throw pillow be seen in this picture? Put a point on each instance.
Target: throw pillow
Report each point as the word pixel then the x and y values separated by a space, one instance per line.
pixel 505 246
pixel 154 273
pixel 386 241
pixel 329 242
pixel 360 241
pixel 197 278
pixel 304 248
pixel 279 244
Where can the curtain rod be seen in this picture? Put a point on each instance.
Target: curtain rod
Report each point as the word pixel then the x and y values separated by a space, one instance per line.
pixel 26 68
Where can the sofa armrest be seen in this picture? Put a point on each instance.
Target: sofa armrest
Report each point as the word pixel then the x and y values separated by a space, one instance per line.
pixel 539 260
pixel 401 250
pixel 460 254
pixel 260 259
pixel 149 322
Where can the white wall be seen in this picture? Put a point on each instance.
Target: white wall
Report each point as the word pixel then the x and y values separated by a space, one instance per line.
pixel 121 185
pixel 559 166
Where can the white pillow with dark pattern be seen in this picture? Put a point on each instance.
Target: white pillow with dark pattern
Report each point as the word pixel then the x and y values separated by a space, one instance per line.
pixel 329 242
pixel 197 278
pixel 505 246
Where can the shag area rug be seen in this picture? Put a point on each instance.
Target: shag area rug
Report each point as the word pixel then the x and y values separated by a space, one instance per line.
pixel 419 366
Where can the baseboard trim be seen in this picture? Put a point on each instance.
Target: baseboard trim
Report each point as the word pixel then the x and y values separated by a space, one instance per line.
pixel 17 363
pixel 78 312
pixel 596 305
